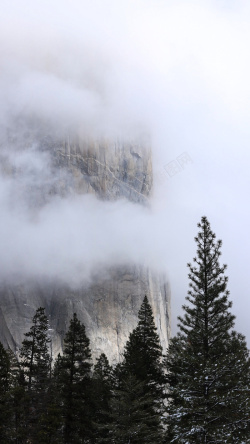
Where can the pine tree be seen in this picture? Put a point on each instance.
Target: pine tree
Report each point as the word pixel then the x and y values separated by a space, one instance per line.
pixel 74 383
pixel 143 360
pixel 102 385
pixel 34 353
pixel 143 352
pixel 132 418
pixel 13 400
pixel 35 361
pixel 207 363
pixel 20 402
pixel 50 421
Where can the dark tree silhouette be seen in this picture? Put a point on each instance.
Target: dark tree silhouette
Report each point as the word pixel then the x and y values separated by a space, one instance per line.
pixel 74 383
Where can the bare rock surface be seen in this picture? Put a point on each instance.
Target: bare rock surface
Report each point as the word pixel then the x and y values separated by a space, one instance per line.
pixel 110 170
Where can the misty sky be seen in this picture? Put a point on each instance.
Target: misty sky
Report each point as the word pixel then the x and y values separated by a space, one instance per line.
pixel 176 70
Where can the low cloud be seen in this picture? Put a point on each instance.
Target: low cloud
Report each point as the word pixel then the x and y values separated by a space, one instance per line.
pixel 69 239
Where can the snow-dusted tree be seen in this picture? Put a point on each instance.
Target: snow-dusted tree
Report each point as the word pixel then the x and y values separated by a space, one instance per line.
pixel 207 363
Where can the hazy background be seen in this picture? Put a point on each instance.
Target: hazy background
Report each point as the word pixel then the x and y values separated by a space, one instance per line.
pixel 178 71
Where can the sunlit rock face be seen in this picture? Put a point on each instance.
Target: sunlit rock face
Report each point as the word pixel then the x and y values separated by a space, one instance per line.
pixel 109 304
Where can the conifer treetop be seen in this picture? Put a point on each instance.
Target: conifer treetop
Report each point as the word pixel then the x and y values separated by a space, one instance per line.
pixel 208 295
pixel 207 363
pixel 77 351
pixel 34 353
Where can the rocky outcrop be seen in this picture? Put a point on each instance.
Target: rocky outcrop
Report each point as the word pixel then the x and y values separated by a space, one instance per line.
pixel 109 305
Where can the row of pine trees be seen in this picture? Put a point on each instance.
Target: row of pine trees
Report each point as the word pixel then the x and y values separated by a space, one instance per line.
pixel 74 402
pixel 197 391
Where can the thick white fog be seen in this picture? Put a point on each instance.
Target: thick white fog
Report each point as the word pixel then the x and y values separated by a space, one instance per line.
pixel 176 70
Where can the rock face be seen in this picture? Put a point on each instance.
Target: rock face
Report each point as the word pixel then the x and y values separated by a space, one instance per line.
pixel 109 306
pixel 108 170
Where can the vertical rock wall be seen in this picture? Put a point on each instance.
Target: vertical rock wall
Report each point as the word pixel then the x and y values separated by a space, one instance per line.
pixel 108 306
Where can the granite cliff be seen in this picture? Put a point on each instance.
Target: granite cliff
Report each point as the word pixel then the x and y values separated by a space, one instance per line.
pixel 108 305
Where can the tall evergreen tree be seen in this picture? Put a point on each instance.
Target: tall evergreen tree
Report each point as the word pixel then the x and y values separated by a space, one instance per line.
pixel 133 420
pixel 74 382
pixel 34 353
pixel 143 352
pixel 35 361
pixel 50 421
pixel 207 364
pixel 19 400
pixel 102 385
pixel 143 361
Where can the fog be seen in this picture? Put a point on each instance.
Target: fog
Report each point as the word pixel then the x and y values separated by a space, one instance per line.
pixel 176 71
